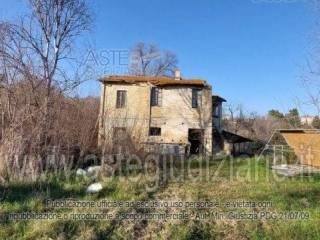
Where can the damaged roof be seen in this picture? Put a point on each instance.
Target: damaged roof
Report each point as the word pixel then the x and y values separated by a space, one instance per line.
pixel 157 81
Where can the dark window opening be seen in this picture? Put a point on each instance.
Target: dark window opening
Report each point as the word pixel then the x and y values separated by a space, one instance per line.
pixel 195 98
pixel 155 93
pixel 155 131
pixel 121 98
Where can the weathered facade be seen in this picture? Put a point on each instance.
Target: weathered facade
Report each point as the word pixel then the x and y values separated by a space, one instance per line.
pixel 156 114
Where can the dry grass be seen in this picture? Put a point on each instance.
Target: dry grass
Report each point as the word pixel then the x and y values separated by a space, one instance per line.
pixel 290 194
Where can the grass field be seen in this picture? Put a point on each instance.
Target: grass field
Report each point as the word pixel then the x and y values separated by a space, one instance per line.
pixel 220 180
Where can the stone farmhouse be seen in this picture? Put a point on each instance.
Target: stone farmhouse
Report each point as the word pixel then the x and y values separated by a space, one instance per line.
pixel 160 115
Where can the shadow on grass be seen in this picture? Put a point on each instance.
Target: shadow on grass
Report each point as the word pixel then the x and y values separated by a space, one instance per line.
pixel 22 192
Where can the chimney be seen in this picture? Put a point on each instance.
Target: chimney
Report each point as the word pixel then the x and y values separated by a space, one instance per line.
pixel 177 74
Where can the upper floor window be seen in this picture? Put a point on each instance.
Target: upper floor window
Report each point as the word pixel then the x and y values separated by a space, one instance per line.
pixel 217 110
pixel 196 94
pixel 121 98
pixel 155 96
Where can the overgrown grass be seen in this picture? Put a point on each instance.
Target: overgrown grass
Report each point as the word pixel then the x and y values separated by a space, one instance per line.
pixel 223 180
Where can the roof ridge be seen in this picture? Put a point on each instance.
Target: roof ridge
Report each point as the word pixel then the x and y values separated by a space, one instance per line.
pixel 146 78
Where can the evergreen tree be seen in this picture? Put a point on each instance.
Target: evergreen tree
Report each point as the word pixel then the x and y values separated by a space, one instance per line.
pixel 293 118
pixel 275 114
pixel 316 122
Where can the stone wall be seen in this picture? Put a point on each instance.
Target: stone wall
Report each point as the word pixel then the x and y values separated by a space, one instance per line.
pixel 175 115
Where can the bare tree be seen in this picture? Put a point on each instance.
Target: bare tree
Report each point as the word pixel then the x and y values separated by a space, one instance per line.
pixel 44 39
pixel 35 54
pixel 149 60
pixel 311 69
pixel 235 114
pixel 248 124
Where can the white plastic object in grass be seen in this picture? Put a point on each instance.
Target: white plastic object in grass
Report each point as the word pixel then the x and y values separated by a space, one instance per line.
pixel 81 172
pixel 94 188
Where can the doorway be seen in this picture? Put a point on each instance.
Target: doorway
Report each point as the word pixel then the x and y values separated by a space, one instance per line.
pixel 195 137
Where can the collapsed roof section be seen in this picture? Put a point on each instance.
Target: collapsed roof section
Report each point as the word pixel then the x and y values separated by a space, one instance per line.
pixel 157 81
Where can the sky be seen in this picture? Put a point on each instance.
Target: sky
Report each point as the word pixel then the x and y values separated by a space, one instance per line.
pixel 252 52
